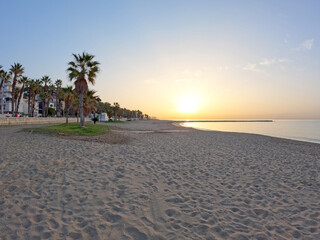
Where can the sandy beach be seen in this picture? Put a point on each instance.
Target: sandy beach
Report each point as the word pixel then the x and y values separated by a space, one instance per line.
pixel 165 182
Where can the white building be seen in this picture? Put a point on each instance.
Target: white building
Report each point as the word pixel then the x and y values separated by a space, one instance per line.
pixel 6 104
pixel 5 98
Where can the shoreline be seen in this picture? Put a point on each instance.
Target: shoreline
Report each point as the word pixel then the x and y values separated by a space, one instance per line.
pixel 224 120
pixel 167 183
pixel 299 139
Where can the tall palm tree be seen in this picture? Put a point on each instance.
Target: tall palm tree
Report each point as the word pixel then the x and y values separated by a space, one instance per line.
pixel 23 81
pixel 45 94
pixel 83 70
pixel 116 110
pixel 4 77
pixel 30 86
pixel 57 92
pixel 16 93
pixel 35 91
pixel 17 70
pixel 68 97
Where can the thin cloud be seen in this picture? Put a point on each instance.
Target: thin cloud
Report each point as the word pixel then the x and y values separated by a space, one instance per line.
pixel 272 61
pixel 251 67
pixel 258 67
pixel 306 45
pixel 268 61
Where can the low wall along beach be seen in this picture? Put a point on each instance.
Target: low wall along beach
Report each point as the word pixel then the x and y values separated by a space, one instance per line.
pixel 25 120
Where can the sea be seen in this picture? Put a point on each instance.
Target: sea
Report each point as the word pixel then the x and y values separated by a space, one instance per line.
pixel 302 130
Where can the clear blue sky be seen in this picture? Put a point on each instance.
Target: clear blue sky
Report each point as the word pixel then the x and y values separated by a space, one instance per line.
pixel 235 58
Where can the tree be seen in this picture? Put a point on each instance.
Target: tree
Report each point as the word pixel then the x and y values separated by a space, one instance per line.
pixel 36 87
pixel 90 102
pixel 4 77
pixel 51 111
pixel 116 110
pixel 68 97
pixel 45 94
pixel 82 69
pixel 109 112
pixel 17 70
pixel 23 81
pixel 29 86
pixel 58 96
pixel 16 95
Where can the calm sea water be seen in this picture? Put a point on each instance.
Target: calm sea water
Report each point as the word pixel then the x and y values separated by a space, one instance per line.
pixel 302 130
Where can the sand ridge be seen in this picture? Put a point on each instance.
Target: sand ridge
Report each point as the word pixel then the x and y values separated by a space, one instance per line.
pixel 163 185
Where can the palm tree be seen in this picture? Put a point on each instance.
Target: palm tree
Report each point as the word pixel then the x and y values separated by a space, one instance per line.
pixel 45 94
pixel 23 81
pixel 68 97
pixel 116 109
pixel 109 112
pixel 36 87
pixel 90 102
pixel 5 77
pixel 17 70
pixel 29 86
pixel 57 92
pixel 16 93
pixel 81 70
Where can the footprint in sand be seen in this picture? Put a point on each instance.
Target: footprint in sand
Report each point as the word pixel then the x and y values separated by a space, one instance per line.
pixel 172 212
pixel 26 223
pixel 54 224
pixel 75 235
pixel 136 234
pixel 38 218
pixel 261 212
pixel 113 218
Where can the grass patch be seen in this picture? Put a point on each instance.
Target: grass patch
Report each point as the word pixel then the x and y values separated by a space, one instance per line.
pixel 73 129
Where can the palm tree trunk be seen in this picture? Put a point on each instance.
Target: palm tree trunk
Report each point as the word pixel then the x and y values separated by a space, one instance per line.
pixel 2 106
pixel 19 99
pixel 29 102
pixel 47 108
pixel 67 116
pixel 12 94
pixel 43 108
pixel 81 110
pixel 12 105
pixel 32 107
pixel 1 85
pixel 57 106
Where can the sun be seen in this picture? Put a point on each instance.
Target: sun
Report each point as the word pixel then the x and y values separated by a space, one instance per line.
pixel 188 103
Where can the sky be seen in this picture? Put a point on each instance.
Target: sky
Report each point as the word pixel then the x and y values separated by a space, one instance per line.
pixel 177 59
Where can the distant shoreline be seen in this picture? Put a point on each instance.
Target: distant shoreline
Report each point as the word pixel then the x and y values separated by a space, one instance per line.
pixel 223 120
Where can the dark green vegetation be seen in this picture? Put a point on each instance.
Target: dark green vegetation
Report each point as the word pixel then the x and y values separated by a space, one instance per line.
pixel 72 129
